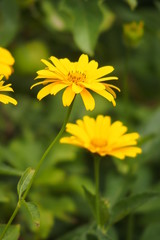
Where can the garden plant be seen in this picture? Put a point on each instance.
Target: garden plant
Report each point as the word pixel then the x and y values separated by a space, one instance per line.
pixel 79 132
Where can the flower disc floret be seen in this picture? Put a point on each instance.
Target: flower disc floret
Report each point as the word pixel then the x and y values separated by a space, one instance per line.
pixel 79 77
pixel 102 137
pixel 6 63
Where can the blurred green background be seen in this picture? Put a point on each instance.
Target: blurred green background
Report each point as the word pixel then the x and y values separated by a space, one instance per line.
pixel 121 33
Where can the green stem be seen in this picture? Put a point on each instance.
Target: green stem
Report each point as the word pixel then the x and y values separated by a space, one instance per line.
pixel 96 172
pixel 37 169
pixel 130 227
pixel 10 220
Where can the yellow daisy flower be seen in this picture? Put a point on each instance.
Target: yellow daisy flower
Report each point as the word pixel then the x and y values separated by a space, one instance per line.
pixel 4 98
pixel 102 137
pixel 6 62
pixel 76 78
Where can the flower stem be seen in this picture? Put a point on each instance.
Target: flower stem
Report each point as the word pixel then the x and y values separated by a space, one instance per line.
pixel 130 227
pixel 96 172
pixel 37 169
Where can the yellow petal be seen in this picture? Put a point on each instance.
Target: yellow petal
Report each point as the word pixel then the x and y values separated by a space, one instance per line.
pixel 76 88
pixel 82 62
pixel 58 64
pixel 106 95
pixel 44 91
pixel 68 96
pixel 126 152
pixel 6 99
pixel 107 79
pixel 42 82
pixel 88 100
pixel 78 132
pixel 71 140
pixel 56 87
pixel 5 70
pixel 116 131
pixel 94 86
pixel 47 74
pixel 7 57
pixel 49 65
pixel 102 71
pixel 89 124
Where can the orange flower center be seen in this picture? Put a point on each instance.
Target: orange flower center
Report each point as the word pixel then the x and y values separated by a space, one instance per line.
pixel 76 77
pixel 98 142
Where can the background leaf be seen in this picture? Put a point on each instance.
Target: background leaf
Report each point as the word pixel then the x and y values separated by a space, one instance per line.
pixel 129 205
pixel 33 212
pixel 9 21
pixel 84 25
pixel 103 205
pixel 13 232
pixel 24 181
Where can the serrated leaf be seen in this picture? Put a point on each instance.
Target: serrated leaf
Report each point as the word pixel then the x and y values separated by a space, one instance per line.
pixel 24 181
pixel 12 233
pixel 103 205
pixel 86 18
pixel 33 212
pixel 129 205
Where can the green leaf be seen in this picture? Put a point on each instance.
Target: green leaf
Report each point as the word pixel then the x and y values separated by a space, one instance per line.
pixel 9 13
pixel 90 232
pixel 103 204
pixel 129 205
pixel 12 233
pixel 33 212
pixel 85 20
pixel 3 196
pixel 152 232
pixel 132 3
pixel 7 170
pixel 24 181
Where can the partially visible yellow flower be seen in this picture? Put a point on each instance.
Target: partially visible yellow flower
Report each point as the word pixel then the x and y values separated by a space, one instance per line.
pixel 103 137
pixel 133 33
pixel 6 88
pixel 77 78
pixel 6 62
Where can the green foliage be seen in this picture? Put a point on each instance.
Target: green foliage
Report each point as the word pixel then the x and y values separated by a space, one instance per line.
pixel 35 29
pixel 13 232
pixel 33 212
pixel 103 205
pixel 9 25
pixel 129 205
pixel 25 181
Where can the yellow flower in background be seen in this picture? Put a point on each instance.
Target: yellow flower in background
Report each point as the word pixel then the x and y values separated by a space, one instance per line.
pixel 6 62
pixel 76 78
pixel 133 33
pixel 103 137
pixel 6 88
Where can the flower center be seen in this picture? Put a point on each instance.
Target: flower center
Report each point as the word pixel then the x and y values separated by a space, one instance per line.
pixel 76 77
pixel 98 142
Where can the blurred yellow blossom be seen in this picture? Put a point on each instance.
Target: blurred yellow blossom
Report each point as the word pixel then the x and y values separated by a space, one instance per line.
pixel 6 88
pixel 77 78
pixel 6 62
pixel 103 137
pixel 133 33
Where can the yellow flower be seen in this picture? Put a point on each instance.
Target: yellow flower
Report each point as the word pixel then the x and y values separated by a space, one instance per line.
pixel 76 77
pixel 101 137
pixel 6 62
pixel 4 98
pixel 133 33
